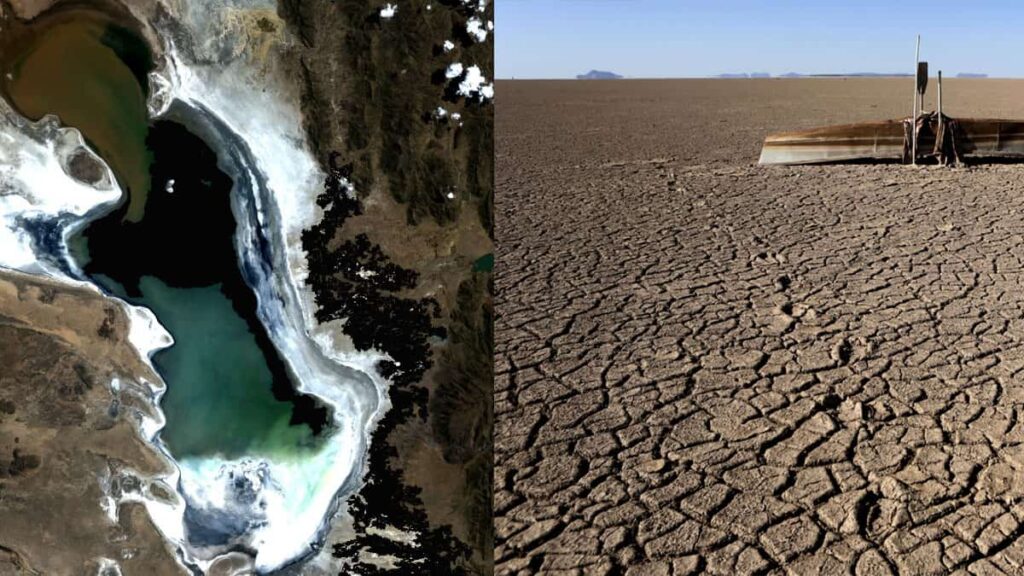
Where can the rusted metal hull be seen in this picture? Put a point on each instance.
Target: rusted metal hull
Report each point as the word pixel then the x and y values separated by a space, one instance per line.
pixel 993 137
pixel 888 140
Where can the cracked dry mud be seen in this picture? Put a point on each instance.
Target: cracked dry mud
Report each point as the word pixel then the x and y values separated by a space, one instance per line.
pixel 704 365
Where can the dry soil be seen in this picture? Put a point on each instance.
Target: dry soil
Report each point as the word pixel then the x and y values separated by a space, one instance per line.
pixel 708 365
pixel 67 438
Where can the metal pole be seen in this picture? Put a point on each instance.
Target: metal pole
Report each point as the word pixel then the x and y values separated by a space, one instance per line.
pixel 913 119
pixel 941 126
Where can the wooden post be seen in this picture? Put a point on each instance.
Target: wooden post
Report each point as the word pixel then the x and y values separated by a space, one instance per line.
pixel 913 119
pixel 939 102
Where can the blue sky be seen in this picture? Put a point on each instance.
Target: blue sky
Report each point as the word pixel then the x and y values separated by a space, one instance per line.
pixel 688 38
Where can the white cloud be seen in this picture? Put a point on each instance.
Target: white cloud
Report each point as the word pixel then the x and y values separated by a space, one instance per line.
pixel 476 29
pixel 475 85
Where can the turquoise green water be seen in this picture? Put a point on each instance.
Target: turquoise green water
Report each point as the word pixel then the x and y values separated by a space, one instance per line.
pixel 215 367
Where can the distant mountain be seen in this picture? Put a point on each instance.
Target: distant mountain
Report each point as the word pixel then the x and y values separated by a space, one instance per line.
pixel 971 75
pixel 760 75
pixel 598 75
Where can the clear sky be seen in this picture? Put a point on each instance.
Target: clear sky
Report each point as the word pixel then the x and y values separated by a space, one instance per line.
pixel 690 38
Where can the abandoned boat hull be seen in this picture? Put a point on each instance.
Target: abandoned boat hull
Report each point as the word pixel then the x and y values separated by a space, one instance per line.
pixel 886 140
pixel 866 140
pixel 993 137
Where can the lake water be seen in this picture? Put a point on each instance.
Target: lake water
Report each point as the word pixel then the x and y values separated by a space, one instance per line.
pixel 169 246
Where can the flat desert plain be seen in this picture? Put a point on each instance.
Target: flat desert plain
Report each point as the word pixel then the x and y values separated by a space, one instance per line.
pixel 706 365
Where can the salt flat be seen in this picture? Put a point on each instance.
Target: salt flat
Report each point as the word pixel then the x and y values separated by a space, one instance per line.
pixel 705 365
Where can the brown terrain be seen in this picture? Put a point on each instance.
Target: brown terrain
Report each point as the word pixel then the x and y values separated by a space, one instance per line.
pixel 64 432
pixel 705 365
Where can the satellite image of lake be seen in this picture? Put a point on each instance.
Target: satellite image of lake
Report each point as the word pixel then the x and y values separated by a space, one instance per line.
pixel 246 251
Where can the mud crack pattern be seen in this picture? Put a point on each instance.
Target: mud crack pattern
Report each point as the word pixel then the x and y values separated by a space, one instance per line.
pixel 706 366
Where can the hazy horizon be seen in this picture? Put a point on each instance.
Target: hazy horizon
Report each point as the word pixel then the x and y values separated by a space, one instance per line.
pixel 822 76
pixel 688 39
